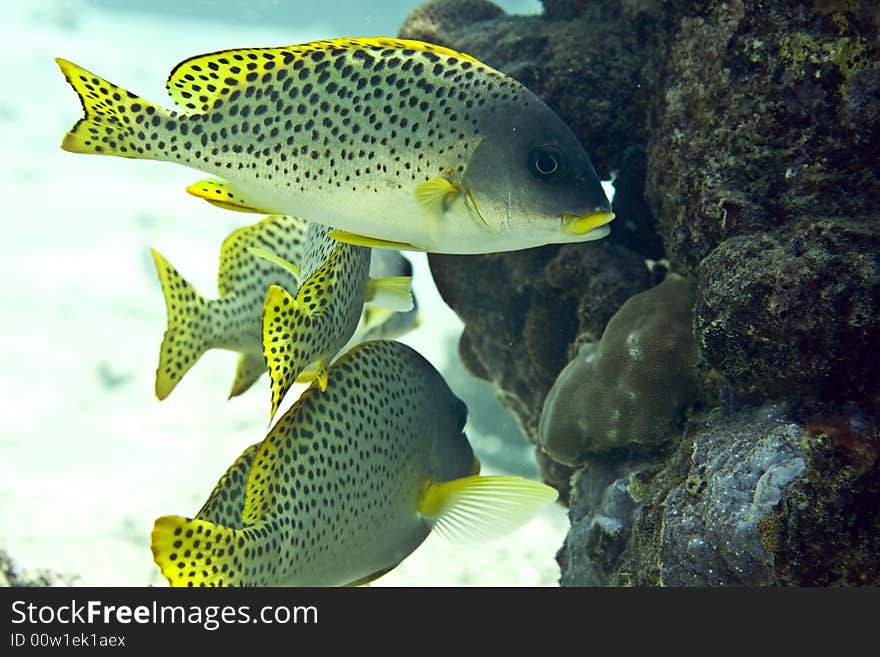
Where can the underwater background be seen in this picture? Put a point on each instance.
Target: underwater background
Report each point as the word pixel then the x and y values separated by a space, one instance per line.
pixel 88 456
pixel 702 386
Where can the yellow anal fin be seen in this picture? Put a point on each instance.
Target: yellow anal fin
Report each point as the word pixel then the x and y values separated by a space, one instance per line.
pixel 482 508
pixel 223 195
pixel 250 367
pixel 364 240
pixel 278 260
pixel 185 339
pixel 434 196
pixel 393 293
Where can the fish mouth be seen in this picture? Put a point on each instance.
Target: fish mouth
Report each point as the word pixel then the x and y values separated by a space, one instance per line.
pixel 581 224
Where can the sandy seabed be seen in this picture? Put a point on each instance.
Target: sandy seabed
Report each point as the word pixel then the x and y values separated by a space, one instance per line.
pixel 88 456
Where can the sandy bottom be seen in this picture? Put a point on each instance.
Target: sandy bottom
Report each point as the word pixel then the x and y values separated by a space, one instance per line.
pixel 88 456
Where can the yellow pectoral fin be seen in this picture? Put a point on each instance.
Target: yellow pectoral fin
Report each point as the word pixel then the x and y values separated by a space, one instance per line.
pixel 482 508
pixel 392 293
pixel 223 195
pixel 271 257
pixel 434 196
pixel 373 242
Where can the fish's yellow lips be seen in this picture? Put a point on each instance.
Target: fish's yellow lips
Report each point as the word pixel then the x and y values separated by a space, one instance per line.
pixel 581 224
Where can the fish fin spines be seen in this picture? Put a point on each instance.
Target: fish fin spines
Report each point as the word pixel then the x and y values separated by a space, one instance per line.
pixel 482 508
pixel 434 195
pixel 392 293
pixel 185 339
pixel 110 117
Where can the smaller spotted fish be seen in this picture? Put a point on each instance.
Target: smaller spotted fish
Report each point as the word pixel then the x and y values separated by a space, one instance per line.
pixel 379 323
pixel 397 143
pixel 347 484
pixel 314 324
pixel 232 321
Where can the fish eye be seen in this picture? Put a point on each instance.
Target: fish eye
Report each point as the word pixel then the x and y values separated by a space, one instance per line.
pixel 545 162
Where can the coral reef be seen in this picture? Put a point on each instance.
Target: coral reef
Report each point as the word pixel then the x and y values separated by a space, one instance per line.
pixel 743 136
pixel 629 390
pixel 756 498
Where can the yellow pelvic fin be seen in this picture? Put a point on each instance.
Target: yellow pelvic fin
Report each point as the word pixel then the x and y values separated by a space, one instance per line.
pixel 307 375
pixel 321 375
pixel 192 552
pixel 250 367
pixel 186 337
pixel 434 196
pixel 112 118
pixel 222 194
pixel 373 242
pixel 279 354
pixel 393 293
pixel 271 257
pixel 482 508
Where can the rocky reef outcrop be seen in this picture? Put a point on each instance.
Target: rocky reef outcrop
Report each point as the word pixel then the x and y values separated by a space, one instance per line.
pixel 743 138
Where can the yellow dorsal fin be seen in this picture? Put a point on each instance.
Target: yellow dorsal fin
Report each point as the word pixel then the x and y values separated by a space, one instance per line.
pixel 434 195
pixel 279 315
pixel 199 82
pixel 222 194
pixel 364 240
pixel 392 292
pixel 482 508
pixel 278 260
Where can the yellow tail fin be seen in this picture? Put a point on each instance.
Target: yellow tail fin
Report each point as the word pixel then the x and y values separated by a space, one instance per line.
pixel 192 552
pixel 187 335
pixel 116 121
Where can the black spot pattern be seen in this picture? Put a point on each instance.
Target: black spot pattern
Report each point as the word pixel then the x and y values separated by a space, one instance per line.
pixel 331 492
pixel 232 321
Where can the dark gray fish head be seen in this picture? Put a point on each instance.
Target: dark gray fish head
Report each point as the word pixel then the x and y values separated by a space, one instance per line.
pixel 530 176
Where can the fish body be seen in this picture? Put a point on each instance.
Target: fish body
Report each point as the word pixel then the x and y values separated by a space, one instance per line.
pixel 231 321
pixel 348 483
pixel 396 143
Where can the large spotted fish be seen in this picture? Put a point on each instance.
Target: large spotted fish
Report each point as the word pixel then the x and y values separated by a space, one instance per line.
pixel 348 483
pixel 231 321
pixel 395 143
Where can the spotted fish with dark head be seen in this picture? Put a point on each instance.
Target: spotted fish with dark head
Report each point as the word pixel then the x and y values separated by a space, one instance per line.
pixel 348 483
pixel 396 143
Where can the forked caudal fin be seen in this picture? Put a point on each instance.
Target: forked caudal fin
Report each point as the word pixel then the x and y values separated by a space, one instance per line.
pixel 186 337
pixel 192 552
pixel 479 508
pixel 113 117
